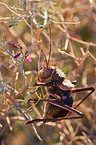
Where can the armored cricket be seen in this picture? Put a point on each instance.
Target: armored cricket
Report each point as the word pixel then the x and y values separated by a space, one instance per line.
pixel 60 101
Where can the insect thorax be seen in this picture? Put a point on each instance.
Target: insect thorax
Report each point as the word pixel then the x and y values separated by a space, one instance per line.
pixel 57 76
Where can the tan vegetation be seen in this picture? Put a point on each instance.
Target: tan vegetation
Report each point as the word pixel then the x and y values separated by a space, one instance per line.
pixel 25 25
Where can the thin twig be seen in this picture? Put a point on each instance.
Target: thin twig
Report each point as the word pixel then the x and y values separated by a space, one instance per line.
pixel 77 40
pixel 38 36
pixel 21 112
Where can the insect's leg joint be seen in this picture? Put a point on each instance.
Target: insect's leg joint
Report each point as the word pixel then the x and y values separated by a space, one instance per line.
pixel 81 115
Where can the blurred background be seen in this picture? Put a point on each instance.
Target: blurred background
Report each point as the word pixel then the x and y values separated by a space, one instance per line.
pixel 25 24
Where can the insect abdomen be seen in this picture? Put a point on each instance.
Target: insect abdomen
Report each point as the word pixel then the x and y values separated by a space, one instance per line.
pixel 54 111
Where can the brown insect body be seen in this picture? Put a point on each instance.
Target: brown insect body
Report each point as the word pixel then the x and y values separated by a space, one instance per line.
pixel 60 101
pixel 57 80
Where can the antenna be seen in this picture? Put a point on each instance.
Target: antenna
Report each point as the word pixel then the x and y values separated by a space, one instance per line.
pixel 43 55
pixel 50 45
pixel 47 62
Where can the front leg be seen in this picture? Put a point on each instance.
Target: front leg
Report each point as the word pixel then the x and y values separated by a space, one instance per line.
pixel 51 92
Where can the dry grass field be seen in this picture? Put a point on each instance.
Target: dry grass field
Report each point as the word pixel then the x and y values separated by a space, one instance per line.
pixel 25 28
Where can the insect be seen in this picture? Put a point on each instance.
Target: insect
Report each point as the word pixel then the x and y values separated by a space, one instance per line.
pixel 60 101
